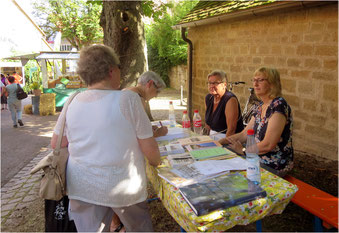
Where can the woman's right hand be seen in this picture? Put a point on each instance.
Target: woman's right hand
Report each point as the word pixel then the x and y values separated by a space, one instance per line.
pixel 225 141
pixel 161 131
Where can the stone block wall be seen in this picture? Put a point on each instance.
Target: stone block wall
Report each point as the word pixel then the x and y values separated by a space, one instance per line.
pixel 178 76
pixel 301 44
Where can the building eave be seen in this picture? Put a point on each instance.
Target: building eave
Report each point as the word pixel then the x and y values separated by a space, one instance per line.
pixel 255 11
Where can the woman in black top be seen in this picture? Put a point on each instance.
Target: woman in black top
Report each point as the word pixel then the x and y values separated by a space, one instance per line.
pixel 223 112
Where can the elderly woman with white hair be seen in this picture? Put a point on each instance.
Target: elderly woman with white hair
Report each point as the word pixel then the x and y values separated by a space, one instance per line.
pixel 149 86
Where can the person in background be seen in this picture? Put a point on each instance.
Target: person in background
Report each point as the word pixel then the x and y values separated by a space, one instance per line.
pixel 272 124
pixel 223 114
pixel 18 78
pixel 106 166
pixel 14 103
pixel 149 86
pixel 4 83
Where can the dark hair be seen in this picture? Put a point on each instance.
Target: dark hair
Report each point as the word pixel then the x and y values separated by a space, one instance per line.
pixel 11 79
pixel 2 75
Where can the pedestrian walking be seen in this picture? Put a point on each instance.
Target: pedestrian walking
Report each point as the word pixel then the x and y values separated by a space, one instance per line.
pixel 4 82
pixel 14 103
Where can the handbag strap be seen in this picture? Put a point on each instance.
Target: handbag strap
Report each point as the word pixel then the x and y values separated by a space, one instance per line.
pixel 63 121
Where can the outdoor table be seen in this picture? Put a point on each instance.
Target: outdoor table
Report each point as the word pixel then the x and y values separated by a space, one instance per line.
pixel 279 193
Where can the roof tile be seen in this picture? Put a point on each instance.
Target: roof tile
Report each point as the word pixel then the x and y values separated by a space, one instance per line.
pixel 207 9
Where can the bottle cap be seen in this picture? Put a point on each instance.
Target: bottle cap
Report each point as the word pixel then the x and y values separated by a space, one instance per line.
pixel 171 102
pixel 250 132
pixel 185 111
pixel 196 111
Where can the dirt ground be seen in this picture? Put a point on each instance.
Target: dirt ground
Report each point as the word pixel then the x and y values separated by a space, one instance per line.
pixel 322 174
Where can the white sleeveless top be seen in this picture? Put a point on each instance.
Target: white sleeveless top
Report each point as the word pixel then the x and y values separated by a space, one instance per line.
pixel 106 166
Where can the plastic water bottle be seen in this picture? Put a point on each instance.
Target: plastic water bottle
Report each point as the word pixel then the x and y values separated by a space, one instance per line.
pixel 186 122
pixel 171 115
pixel 197 122
pixel 253 168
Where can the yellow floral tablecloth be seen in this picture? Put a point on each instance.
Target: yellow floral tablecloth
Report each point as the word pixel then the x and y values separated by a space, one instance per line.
pixel 279 193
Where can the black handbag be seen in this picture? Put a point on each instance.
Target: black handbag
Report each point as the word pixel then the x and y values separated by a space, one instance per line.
pixel 56 216
pixel 20 93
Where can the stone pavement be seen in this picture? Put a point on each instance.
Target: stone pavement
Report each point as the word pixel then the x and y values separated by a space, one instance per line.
pixel 20 191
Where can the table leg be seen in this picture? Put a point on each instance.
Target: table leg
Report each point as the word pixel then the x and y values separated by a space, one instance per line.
pixel 182 229
pixel 258 225
pixel 317 224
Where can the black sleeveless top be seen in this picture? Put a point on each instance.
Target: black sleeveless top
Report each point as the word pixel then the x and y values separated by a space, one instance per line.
pixel 217 120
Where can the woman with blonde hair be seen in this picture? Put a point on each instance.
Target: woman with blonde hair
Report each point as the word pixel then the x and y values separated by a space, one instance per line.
pixel 272 124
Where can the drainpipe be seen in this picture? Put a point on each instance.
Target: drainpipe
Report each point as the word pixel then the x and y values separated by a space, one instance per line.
pixel 190 62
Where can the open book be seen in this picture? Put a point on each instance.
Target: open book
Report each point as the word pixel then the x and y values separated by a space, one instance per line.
pixel 184 175
pixel 171 149
pixel 202 145
pixel 194 140
pixel 220 193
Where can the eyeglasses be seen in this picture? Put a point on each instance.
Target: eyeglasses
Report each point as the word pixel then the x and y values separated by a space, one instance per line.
pixel 213 83
pixel 258 80
pixel 156 87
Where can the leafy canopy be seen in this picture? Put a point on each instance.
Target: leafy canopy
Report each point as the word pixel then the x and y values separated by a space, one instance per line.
pixel 77 20
pixel 166 48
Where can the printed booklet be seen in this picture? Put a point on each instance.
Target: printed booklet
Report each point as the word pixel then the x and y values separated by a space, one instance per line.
pixel 212 153
pixel 220 193
pixel 179 159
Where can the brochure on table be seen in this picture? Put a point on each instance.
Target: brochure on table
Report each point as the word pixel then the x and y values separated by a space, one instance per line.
pixel 220 193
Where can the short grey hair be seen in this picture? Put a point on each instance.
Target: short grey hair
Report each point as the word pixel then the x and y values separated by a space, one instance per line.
pixel 95 63
pixel 150 75
pixel 220 73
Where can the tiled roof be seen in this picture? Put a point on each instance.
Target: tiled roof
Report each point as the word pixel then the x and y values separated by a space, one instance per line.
pixel 207 9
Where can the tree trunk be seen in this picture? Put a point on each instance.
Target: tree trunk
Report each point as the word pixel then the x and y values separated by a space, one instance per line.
pixel 124 32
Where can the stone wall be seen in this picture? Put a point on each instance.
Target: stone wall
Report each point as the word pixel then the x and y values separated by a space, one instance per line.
pixel 178 76
pixel 301 44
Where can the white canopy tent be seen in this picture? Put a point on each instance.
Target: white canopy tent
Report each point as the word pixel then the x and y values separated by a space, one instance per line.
pixel 44 57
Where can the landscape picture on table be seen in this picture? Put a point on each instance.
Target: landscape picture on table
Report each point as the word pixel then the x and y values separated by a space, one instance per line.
pixel 220 193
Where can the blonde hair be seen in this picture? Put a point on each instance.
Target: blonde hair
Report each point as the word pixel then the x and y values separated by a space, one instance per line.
pixel 273 78
pixel 95 63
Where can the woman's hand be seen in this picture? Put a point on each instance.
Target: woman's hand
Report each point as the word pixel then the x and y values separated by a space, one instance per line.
pixel 161 131
pixel 235 145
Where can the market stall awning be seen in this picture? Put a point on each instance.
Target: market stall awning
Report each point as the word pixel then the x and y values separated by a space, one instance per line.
pixel 46 55
pixel 59 55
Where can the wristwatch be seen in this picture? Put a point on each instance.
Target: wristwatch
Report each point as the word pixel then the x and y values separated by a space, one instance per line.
pixel 244 151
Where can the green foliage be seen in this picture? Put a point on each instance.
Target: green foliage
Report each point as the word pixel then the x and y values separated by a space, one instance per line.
pixel 155 9
pixel 35 86
pixel 165 45
pixel 77 20
pixel 32 74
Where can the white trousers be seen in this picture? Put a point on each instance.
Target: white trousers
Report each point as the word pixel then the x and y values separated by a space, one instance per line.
pixel 95 218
